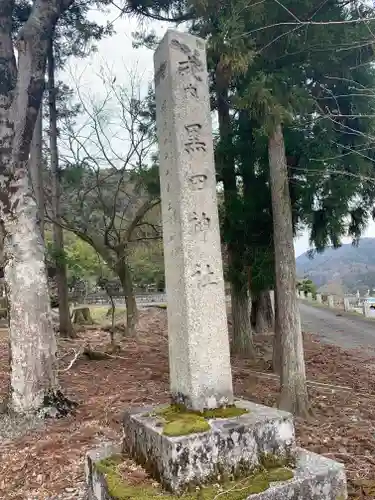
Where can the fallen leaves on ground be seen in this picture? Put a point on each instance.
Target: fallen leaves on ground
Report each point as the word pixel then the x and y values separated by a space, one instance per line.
pixel 45 462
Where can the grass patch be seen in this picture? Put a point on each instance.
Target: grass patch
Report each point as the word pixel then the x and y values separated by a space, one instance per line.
pixel 99 313
pixel 120 489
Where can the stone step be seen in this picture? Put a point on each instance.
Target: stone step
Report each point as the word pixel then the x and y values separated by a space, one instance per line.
pixel 232 445
pixel 315 478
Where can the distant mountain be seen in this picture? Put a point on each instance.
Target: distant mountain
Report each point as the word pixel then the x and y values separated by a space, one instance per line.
pixel 349 268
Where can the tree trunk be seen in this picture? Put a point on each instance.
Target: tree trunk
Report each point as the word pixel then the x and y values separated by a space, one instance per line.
pixel 124 273
pixel 65 324
pixel 293 397
pixel 242 339
pixel 264 319
pixel 31 335
pixel 242 333
pixel 36 168
pixel 276 353
pixel 33 378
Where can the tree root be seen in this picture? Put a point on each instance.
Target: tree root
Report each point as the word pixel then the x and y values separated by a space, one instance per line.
pixel 101 355
pixel 56 405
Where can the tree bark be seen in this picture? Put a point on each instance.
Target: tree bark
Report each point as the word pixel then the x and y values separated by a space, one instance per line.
pixel 264 319
pixel 32 339
pixel 242 332
pixel 126 279
pixel 65 324
pixel 242 339
pixel 33 377
pixel 293 397
pixel 276 353
pixel 36 168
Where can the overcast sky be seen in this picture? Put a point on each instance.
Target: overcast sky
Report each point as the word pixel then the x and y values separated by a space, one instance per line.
pixel 118 54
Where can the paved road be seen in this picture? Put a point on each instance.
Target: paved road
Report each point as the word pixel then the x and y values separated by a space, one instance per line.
pixel 349 332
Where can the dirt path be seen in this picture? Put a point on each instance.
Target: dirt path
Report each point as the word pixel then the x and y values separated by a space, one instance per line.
pixel 346 331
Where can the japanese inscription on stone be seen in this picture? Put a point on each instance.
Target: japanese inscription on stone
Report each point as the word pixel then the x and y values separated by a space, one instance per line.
pixel 198 181
pixel 204 275
pixel 191 64
pixel 160 74
pixel 201 223
pixel 194 141
pixel 197 328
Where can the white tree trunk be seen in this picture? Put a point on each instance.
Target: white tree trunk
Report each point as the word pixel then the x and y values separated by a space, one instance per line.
pixel 293 395
pixel 32 340
pixel 33 378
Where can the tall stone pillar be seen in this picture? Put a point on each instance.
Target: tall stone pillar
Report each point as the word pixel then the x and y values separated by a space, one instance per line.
pixel 200 372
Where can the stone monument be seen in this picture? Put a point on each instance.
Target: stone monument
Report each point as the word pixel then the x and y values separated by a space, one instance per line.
pixel 207 435
pixel 200 373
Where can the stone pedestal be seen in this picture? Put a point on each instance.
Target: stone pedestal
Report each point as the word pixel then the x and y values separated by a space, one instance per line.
pixel 232 445
pixel 261 438
pixel 315 478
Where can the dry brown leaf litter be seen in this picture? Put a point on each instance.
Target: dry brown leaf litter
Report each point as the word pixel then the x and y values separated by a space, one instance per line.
pixel 47 463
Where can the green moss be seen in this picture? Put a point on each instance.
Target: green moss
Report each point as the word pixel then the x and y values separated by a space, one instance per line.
pixel 186 424
pixel 228 412
pixel 269 461
pixel 109 463
pixel 178 421
pixel 280 474
pixel 230 490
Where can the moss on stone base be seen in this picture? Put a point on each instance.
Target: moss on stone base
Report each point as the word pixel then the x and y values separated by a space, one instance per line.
pixel 119 489
pixel 227 412
pixel 268 461
pixel 186 424
pixel 178 421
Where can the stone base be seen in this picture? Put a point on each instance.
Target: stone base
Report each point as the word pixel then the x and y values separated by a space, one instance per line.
pixel 233 446
pixel 315 478
pixel 96 482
